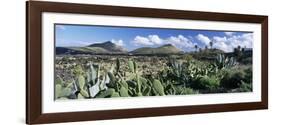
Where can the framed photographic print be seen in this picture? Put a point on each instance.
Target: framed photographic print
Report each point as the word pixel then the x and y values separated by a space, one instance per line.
pixel 93 62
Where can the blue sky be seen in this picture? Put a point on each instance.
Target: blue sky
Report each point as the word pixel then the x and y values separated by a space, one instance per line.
pixel 135 37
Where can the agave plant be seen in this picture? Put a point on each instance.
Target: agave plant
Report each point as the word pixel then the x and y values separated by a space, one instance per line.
pixel 225 62
pixel 175 73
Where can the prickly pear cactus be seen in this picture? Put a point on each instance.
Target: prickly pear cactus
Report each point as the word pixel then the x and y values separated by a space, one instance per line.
pixel 81 82
pixel 62 91
pixel 107 93
pixel 131 66
pixel 158 87
pixel 123 92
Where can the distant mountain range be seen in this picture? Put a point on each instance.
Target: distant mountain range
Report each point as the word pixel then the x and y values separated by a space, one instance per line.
pixel 165 49
pixel 98 48
pixel 111 48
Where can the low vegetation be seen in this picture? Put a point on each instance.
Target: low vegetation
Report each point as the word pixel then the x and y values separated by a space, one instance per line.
pixel 106 76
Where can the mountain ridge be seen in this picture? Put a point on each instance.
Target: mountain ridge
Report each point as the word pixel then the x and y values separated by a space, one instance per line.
pixel 164 49
pixel 109 47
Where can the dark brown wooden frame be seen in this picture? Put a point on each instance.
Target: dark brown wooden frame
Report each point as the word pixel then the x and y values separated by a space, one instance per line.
pixel 33 61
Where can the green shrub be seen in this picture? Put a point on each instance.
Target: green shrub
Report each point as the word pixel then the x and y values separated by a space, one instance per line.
pixel 249 75
pixel 247 60
pixel 206 83
pixel 232 78
pixel 188 57
pixel 245 87
pixel 187 91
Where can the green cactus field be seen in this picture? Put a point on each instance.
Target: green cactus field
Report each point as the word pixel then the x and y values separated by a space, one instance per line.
pixel 110 76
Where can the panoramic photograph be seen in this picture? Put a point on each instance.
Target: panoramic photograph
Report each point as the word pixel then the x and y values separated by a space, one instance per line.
pixel 113 61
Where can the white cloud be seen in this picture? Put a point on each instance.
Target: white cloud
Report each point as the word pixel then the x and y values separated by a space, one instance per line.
pixel 148 41
pixel 139 40
pixel 220 39
pixel 229 33
pixel 226 43
pixel 221 43
pixel 203 39
pixel 229 43
pixel 155 39
pixel 179 41
pixel 118 42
